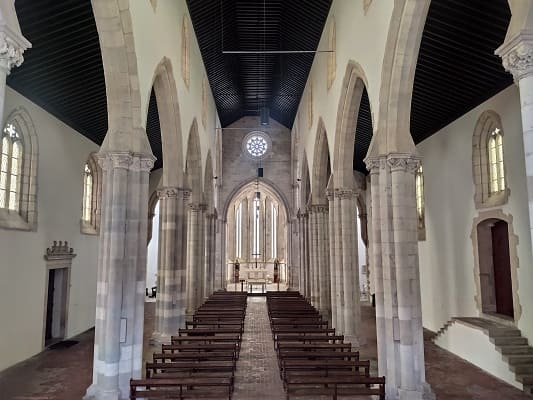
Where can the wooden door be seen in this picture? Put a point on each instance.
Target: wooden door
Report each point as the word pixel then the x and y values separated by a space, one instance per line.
pixel 50 304
pixel 502 269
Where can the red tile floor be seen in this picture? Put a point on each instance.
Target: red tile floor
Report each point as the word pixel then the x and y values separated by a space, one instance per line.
pixel 65 374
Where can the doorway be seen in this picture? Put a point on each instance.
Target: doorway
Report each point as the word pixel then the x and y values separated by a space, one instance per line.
pixel 56 305
pixel 495 268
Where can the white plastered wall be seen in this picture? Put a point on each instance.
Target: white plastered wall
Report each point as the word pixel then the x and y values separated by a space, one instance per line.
pixel 447 255
pixel 360 38
pixel 157 34
pixel 23 275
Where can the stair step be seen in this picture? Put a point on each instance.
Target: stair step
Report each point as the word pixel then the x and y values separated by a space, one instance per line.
pixel 505 332
pixel 508 341
pixel 515 349
pixel 515 359
pixel 525 379
pixel 524 369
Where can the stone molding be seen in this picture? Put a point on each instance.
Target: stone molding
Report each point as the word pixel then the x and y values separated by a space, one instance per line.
pixel 517 55
pixel 318 208
pixel 11 49
pixel 59 250
pixel 126 160
pixel 403 163
pixel 373 164
pixel 345 193
pixel 169 192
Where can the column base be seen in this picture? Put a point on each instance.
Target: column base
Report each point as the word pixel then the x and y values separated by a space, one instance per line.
pixel 95 393
pixel 423 393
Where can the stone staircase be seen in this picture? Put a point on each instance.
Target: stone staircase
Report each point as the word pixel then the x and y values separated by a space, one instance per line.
pixel 508 341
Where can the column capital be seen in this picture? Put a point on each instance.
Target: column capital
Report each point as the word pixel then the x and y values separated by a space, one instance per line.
pixel 126 160
pixel 517 55
pixel 403 162
pixel 345 193
pixel 318 208
pixel 12 47
pixel 168 192
pixel 330 194
pixel 373 164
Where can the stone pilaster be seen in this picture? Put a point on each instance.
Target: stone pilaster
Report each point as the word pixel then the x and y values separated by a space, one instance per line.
pixel 401 332
pixel 350 265
pixel 307 256
pixel 170 302
pixel 517 58
pixel 332 265
pixel 322 263
pixel 200 268
pixel 207 256
pixel 121 274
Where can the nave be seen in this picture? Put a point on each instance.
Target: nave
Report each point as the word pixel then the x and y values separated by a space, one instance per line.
pixel 63 374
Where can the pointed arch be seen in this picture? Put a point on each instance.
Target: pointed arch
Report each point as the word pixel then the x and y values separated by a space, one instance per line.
pixel 20 125
pixel 193 163
pixel 321 165
pixel 166 92
pixel 354 83
pixel 397 78
pixel 125 127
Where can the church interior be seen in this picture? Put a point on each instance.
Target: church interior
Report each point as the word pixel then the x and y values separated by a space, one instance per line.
pixel 267 199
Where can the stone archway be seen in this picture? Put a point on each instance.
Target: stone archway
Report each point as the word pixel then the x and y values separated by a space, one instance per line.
pixel 489 292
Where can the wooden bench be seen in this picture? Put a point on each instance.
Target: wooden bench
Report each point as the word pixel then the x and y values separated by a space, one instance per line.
pixel 324 367
pixel 189 366
pixel 196 356
pixel 329 385
pixel 183 388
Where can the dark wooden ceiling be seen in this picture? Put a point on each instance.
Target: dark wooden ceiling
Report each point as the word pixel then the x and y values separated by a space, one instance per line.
pixel 63 72
pixel 456 70
pixel 242 83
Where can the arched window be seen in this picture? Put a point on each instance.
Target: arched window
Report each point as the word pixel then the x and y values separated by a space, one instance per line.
pixel 18 172
pixel 90 212
pixel 87 194
pixel 420 206
pixel 274 230
pixel 185 52
pixel 488 167
pixel 238 232
pixel 10 172
pixel 496 172
pixel 256 232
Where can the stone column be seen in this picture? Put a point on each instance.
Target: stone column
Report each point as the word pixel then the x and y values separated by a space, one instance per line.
pixel 517 57
pixel 313 257
pixel 200 268
pixel 323 262
pixel 220 258
pixel 301 238
pixel 193 252
pixel 402 325
pixel 331 260
pixel 12 47
pixel 207 256
pixel 339 285
pixel 170 301
pixel 213 251
pixel 350 263
pixel 374 167
pixel 118 343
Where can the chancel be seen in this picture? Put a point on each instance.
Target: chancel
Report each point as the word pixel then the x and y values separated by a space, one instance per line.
pixel 266 199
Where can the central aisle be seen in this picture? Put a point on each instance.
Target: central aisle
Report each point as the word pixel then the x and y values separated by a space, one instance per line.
pixel 257 374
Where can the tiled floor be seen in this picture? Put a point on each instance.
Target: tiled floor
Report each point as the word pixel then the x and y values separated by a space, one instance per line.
pixel 65 374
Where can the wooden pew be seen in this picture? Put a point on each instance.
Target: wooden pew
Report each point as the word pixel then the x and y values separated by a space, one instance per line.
pixel 182 388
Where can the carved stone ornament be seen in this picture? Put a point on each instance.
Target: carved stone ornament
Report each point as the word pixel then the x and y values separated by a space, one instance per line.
pixel 10 52
pixel 374 164
pixel 318 208
pixel 343 193
pixel 517 55
pixel 126 160
pixel 168 193
pixel 59 250
pixel 403 162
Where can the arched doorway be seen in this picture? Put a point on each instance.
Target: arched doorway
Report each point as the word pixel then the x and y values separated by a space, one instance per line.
pixel 256 238
pixel 495 267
